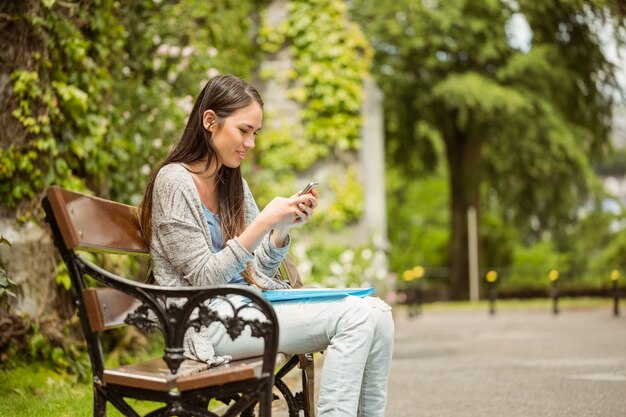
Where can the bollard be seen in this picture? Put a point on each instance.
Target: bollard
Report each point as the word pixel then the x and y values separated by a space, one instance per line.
pixel 614 279
pixel 553 276
pixel 492 277
pixel 414 292
pixel 418 273
pixel 419 296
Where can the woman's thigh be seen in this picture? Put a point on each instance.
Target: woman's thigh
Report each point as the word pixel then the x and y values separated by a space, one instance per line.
pixel 304 325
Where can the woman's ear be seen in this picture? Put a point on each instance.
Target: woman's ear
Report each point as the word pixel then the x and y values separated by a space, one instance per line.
pixel 208 120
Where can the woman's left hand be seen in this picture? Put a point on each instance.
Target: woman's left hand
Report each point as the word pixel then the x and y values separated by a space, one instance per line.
pixel 305 207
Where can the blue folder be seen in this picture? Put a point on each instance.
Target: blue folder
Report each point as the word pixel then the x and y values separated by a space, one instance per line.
pixel 307 293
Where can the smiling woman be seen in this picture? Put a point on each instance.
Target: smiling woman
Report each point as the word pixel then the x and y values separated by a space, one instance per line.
pixel 203 227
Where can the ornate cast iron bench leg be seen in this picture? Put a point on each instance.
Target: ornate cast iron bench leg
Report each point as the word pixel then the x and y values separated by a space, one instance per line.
pixel 302 400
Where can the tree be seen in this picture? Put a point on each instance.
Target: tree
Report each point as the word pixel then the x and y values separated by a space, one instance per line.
pixel 523 121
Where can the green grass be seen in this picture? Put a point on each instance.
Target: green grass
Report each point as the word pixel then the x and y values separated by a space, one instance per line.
pixel 33 390
pixel 37 391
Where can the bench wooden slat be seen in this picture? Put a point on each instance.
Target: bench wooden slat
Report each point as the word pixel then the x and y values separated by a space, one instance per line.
pixel 231 372
pixel 155 375
pixel 107 307
pixel 95 224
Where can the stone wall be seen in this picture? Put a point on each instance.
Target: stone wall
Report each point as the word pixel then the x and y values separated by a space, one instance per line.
pixel 31 263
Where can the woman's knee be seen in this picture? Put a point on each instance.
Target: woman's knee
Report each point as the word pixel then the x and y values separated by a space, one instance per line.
pixel 383 318
pixel 358 313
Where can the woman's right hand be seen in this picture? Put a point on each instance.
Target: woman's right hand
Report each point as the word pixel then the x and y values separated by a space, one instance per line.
pixel 284 213
pixel 279 215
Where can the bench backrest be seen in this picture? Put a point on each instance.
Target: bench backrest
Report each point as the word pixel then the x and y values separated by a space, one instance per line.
pixel 95 224
pixel 85 223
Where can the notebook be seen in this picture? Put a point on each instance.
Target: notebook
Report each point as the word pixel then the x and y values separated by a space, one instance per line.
pixel 307 293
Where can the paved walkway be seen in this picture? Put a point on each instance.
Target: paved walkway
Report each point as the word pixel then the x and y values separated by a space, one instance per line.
pixel 514 364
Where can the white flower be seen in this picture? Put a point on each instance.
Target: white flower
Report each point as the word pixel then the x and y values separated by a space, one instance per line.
pixel 347 256
pixel 212 52
pixel 381 273
pixel 336 268
pixel 187 51
pixel 156 39
pixel 174 51
pixel 305 267
pixel 145 170
pixel 186 103
pixel 366 254
pixel 212 72
pixel 331 281
pixel 157 143
pixel 380 257
pixel 163 49
pixel 169 125
pixel 299 250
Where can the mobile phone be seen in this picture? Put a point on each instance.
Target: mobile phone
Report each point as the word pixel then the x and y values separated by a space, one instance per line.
pixel 308 188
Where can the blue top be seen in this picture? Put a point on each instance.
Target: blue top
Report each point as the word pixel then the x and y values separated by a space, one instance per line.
pixel 217 244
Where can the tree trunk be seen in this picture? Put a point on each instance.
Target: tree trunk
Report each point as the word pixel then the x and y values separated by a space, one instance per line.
pixel 463 153
pixel 18 45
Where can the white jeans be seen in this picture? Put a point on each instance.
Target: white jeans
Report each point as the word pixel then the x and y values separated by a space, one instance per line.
pixel 357 335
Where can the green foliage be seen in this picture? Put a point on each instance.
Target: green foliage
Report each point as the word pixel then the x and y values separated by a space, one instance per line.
pixel 531 120
pixel 348 204
pixel 46 342
pixel 613 165
pixel 176 48
pixel 478 102
pixel 331 60
pixel 335 265
pixel 70 358
pixel 610 258
pixel 497 241
pixel 61 103
pixel 531 266
pixel 419 221
pixel 101 124
pixel 107 84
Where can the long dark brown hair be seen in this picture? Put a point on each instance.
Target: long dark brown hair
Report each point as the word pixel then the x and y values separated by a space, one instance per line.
pixel 224 95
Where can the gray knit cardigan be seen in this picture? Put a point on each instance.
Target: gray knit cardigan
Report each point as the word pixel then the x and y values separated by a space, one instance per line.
pixel 181 252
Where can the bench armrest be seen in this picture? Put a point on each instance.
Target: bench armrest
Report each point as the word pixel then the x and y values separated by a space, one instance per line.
pixel 174 318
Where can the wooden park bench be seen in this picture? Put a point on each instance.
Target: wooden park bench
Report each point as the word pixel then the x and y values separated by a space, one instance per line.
pixel 105 300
